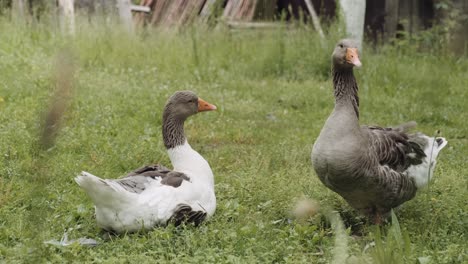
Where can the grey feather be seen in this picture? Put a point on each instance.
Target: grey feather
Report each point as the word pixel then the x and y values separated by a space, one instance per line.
pixel 393 147
pixel 135 184
pixel 137 180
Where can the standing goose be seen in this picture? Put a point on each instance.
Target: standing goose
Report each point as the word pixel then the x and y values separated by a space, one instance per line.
pixel 154 195
pixel 374 169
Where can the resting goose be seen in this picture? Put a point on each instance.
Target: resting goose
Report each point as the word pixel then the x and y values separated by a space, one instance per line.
pixel 154 195
pixel 374 169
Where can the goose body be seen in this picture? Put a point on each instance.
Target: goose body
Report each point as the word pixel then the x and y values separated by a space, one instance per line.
pixel 374 169
pixel 154 195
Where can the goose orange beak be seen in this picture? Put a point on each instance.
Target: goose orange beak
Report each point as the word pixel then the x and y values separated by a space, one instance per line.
pixel 205 106
pixel 352 57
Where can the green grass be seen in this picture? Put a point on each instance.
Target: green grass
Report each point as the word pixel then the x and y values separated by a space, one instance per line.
pixel 273 92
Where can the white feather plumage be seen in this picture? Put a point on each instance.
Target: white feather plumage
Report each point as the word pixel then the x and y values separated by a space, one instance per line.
pixel 122 211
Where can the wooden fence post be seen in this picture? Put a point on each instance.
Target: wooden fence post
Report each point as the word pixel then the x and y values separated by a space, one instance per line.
pixel 354 12
pixel 125 14
pixel 67 16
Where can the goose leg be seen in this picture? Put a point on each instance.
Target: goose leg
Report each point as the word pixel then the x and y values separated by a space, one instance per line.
pixel 378 218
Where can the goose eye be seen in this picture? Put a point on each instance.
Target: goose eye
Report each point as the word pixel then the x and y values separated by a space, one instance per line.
pixel 340 45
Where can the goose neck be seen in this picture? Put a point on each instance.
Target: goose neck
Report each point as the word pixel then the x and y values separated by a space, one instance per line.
pixel 346 89
pixel 173 130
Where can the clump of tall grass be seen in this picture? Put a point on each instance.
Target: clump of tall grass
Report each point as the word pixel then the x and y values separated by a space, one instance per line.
pixel 390 246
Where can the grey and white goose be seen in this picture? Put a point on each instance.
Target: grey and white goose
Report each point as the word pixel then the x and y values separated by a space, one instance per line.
pixel 154 195
pixel 374 169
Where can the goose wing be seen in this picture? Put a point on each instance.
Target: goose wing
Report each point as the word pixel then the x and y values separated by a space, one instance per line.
pixel 393 147
pixel 137 180
pixel 153 170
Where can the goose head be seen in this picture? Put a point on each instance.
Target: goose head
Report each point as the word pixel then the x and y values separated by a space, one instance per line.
pixel 178 108
pixel 183 104
pixel 345 55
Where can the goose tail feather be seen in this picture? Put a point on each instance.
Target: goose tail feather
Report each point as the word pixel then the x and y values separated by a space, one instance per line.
pixel 422 173
pixel 99 190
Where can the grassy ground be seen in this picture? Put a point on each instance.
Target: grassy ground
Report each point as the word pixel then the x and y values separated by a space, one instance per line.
pixel 273 93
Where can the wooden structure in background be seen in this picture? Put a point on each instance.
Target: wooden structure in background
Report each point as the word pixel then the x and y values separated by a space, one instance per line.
pixel 237 11
pixel 168 13
pixel 268 10
pixel 247 10
pixel 389 19
pixel 384 19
